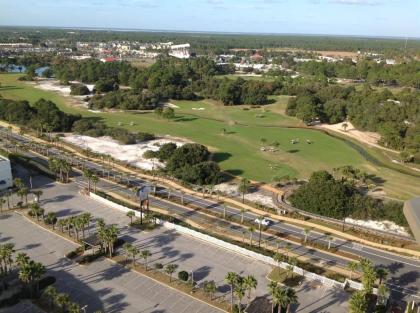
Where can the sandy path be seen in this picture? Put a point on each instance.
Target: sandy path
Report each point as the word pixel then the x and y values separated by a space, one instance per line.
pixel 369 138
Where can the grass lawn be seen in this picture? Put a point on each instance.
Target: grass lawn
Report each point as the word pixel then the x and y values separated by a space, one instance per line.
pixel 282 276
pixel 238 147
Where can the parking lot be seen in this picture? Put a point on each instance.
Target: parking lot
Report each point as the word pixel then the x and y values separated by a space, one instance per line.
pixel 206 261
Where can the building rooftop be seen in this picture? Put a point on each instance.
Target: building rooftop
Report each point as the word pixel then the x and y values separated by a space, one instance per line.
pixel 412 214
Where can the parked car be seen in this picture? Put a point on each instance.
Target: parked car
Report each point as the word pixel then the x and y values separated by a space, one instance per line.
pixel 264 221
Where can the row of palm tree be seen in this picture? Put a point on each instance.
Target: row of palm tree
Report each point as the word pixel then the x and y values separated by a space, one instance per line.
pixel 60 167
pixel 240 286
pixel 282 297
pixel 91 178
pixel 108 236
pixel 360 299
pixel 6 258
pixel 30 272
pixel 76 223
pixel 133 251
pixel 61 300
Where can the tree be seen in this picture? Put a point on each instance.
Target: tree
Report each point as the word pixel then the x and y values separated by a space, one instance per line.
pixel 358 302
pixel 145 254
pixel 88 174
pixel 251 230
pixel 291 297
pixel 170 269
pixel 38 194
pixel 95 180
pixel 210 288
pixel 168 113
pixel 243 211
pixel 134 251
pixel 382 274
pixel 2 202
pixel 21 259
pixel 250 282
pixel 51 293
pixel 244 188
pixel 330 240
pixel 62 300
pixel 352 266
pixel 307 231
pixel 231 278
pixel 74 308
pixel 131 214
pixel 240 293
pixel 126 247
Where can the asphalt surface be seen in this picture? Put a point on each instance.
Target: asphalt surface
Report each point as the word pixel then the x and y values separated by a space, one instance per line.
pixel 404 273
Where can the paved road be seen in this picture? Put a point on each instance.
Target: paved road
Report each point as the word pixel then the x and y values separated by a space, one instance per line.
pixel 404 278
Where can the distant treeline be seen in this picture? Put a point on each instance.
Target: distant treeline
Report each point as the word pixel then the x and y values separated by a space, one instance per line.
pixel 404 74
pixel 213 43
pixel 45 116
pixel 166 79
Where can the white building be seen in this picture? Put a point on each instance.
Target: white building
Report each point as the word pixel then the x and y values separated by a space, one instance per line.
pixel 6 179
pixel 180 51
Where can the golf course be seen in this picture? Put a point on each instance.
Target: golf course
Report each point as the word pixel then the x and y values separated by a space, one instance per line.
pixel 259 143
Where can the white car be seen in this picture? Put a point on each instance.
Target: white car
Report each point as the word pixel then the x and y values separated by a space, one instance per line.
pixel 264 221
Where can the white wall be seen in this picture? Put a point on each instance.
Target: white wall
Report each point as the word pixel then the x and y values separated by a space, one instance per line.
pixel 6 179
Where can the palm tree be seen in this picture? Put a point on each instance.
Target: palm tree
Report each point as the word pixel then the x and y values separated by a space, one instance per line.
pixel 88 174
pixel 21 259
pixel 251 230
pixel 289 270
pixel 51 219
pixel 243 210
pixel 291 298
pixel 307 231
pixel 95 180
pixel 287 248
pixel 382 274
pixel 224 210
pixel 330 240
pixel 145 254
pixel 368 279
pixel 62 300
pixel 244 187
pixel 170 269
pixel 2 201
pixel 38 194
pixel 353 266
pixel 232 279
pixel 260 220
pixel 278 258
pixel 51 293
pixel 250 282
pixel 134 251
pixel 131 214
pixel 358 302
pixel 210 288
pixel 345 125
pixel 126 247
pixel 240 293
pixel 74 308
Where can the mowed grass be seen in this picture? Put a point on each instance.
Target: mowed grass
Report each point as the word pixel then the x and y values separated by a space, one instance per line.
pixel 234 135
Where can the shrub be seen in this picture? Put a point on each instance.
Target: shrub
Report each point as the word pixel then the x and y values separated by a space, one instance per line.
pixel 158 266
pixel 150 154
pixel 79 90
pixel 183 275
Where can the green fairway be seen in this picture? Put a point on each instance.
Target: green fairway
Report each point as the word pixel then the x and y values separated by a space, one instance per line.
pixel 234 135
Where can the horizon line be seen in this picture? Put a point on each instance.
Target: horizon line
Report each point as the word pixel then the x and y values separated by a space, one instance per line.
pixel 144 30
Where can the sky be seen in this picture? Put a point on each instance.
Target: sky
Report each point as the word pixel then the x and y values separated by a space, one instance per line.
pixel 399 18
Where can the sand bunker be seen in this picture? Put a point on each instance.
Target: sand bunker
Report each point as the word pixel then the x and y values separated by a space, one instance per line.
pixel 386 226
pixel 132 154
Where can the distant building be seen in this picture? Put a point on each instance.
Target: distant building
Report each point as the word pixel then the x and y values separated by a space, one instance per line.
pixel 412 214
pixel 6 179
pixel 180 51
pixel 108 59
